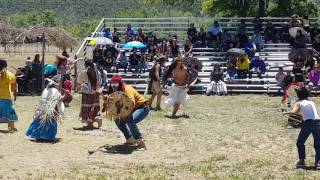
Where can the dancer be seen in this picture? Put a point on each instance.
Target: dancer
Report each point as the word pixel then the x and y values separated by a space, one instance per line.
pixel 48 111
pixel 89 81
pixel 155 75
pixel 181 82
pixel 128 126
pixel 7 91
pixel 311 124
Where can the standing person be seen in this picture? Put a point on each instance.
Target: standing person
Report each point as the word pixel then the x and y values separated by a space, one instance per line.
pixel 181 83
pixel 7 87
pixel 128 126
pixel 89 81
pixel 48 111
pixel 155 75
pixel 36 70
pixel 310 125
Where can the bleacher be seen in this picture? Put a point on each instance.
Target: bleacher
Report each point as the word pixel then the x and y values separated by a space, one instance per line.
pixel 276 54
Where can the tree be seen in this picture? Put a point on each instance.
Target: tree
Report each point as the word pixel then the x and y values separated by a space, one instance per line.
pixel 300 7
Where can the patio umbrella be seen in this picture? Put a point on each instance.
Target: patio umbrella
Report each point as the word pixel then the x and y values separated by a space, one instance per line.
pixel 134 44
pixel 100 41
pixel 293 31
pixel 236 51
pixel 191 60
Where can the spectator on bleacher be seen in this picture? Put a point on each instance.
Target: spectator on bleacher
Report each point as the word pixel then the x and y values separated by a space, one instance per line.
pixel 298 73
pixel 316 38
pixel 150 40
pixel 116 35
pixel 231 70
pixel 187 48
pixel 217 86
pixel 130 30
pixel 152 51
pixel 97 57
pixel 140 36
pixel 314 77
pixel 163 48
pixel 226 41
pixel 258 41
pixel 257 24
pixel 107 33
pixel 300 40
pixel 109 61
pixel 112 49
pixel 122 61
pixel 192 33
pixel 202 38
pixel 173 48
pixel 37 74
pixel 270 33
pixel 280 76
pixel 134 59
pixel 306 23
pixel 284 33
pixel 249 48
pixel 258 66
pixel 241 34
pixel 294 21
pixel 143 62
pixel 215 33
pixel 242 65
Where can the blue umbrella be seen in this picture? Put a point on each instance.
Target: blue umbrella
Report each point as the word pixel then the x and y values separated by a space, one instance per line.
pixel 134 44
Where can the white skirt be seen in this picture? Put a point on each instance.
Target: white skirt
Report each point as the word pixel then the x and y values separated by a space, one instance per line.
pixel 177 94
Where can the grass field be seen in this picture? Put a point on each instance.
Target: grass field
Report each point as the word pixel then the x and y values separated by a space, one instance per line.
pixel 232 137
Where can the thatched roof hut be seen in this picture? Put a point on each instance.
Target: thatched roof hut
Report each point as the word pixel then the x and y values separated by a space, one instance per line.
pixel 54 36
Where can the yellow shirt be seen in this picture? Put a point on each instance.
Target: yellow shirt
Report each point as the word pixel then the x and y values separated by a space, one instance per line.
pixel 244 65
pixel 134 96
pixel 6 80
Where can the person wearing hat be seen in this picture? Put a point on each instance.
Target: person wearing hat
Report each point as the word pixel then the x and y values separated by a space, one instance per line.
pixel 128 126
pixel 7 91
pixel 155 76
pixel 258 66
pixel 310 125
pixel 48 111
pixel 181 83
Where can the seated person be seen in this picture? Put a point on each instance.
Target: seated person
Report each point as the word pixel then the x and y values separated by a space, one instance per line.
pixel 270 33
pixel 241 34
pixel 122 61
pixel 192 33
pixel 314 77
pixel 217 86
pixel 257 65
pixel 249 48
pixel 215 33
pixel 257 41
pixel 231 71
pixel 134 59
pixel 202 38
pixel 242 65
pixel 300 40
pixel 109 61
pixel 143 62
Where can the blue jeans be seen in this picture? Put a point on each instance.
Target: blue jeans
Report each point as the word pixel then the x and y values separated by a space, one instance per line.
pixel 309 127
pixel 129 127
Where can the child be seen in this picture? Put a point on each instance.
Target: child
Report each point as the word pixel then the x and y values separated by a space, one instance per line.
pixel 7 87
pixel 48 111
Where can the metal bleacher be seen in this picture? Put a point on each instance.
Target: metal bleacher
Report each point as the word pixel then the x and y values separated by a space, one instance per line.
pixel 276 54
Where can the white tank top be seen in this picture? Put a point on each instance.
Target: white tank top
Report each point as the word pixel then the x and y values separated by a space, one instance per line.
pixel 308 110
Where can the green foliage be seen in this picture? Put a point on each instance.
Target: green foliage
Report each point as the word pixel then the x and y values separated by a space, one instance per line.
pixel 45 18
pixel 244 8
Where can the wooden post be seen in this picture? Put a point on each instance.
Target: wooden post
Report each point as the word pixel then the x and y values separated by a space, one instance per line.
pixel 42 62
pixel 75 72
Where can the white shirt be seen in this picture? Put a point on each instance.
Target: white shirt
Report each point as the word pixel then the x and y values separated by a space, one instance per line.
pixel 308 110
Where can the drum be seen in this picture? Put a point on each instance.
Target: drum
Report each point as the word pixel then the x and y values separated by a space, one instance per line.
pixel 295 120
pixel 119 106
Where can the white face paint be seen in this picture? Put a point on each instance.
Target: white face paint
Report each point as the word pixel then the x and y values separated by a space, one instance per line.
pixel 114 85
